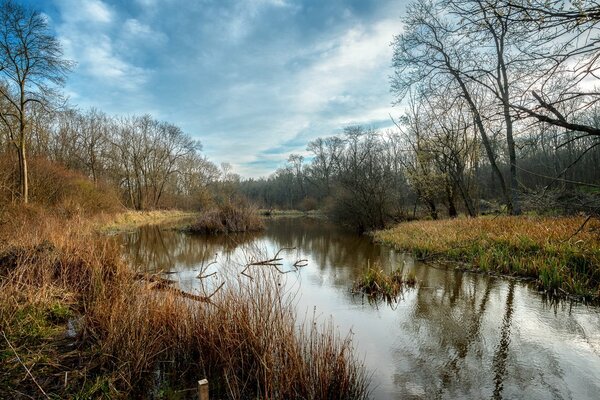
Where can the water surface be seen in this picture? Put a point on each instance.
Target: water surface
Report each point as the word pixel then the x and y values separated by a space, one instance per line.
pixel 457 335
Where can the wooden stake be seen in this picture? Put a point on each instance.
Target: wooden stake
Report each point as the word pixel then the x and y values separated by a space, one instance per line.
pixel 203 389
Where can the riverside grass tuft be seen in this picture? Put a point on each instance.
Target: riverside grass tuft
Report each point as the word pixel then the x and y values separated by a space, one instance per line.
pixel 376 283
pixel 85 326
pixel 554 251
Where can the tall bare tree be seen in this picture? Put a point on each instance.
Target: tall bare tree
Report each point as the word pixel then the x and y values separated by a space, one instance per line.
pixel 31 66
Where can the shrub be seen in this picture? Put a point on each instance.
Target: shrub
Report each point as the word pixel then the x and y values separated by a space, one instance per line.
pixel 228 218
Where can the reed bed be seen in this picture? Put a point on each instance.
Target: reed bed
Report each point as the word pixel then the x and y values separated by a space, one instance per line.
pixel 228 218
pixel 127 339
pixel 560 253
pixel 130 220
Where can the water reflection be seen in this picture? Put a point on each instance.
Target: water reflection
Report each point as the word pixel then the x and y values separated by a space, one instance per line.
pixel 457 335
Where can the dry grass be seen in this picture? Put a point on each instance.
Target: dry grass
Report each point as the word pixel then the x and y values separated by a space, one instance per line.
pixel 228 218
pixel 543 248
pixel 246 340
pixel 376 283
pixel 129 220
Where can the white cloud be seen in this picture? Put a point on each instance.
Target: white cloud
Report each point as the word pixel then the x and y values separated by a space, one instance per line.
pixel 137 30
pixel 101 62
pixel 94 11
pixel 88 30
pixel 348 79
pixel 355 56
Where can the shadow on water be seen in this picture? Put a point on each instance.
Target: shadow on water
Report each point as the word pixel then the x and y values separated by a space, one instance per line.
pixel 457 335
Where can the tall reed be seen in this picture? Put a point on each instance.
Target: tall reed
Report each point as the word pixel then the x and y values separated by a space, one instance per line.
pixel 246 339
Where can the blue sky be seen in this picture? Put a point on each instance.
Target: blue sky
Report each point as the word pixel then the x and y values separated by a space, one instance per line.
pixel 253 80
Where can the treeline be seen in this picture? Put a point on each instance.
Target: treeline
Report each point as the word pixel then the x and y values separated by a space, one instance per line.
pixel 53 154
pixel 501 115
pixel 144 163
pixel 149 163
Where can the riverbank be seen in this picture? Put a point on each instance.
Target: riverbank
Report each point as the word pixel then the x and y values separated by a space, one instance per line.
pixel 77 322
pixel 274 213
pixel 131 220
pixel 561 256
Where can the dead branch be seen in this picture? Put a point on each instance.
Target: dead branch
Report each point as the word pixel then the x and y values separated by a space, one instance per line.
pixel 204 268
pixel 200 276
pixel 274 262
pixel 300 263
pixel 581 227
pixel 159 283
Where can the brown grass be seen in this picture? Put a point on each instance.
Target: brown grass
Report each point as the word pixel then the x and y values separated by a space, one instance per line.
pixel 228 218
pixel 544 248
pixel 247 340
pixel 376 283
pixel 130 220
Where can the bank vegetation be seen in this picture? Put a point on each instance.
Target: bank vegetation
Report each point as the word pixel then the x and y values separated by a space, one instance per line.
pixel 561 254
pixel 77 322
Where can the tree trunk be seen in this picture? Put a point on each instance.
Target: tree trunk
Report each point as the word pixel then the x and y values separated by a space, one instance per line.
pixel 452 212
pixel 24 174
pixel 514 191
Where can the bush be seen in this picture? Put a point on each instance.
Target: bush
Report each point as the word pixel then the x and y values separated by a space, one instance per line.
pixel 229 218
pixel 53 186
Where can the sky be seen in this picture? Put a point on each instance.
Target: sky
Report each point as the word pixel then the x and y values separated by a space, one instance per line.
pixel 253 80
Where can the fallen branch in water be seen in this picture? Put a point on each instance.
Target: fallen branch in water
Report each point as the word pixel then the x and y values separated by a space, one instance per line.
pixel 204 268
pixel 300 263
pixel 159 283
pixel 275 263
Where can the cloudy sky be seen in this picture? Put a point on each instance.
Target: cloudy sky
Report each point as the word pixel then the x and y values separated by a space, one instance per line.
pixel 254 80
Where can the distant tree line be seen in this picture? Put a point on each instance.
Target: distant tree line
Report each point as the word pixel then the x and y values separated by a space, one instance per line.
pixel 150 163
pixel 501 112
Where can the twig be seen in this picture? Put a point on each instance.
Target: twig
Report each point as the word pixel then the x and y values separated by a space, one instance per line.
pixel 204 267
pixel 24 366
pixel 580 228
pixel 300 263
pixel 200 276
pixel 272 262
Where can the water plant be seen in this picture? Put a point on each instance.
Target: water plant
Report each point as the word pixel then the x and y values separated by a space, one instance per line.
pixel 376 283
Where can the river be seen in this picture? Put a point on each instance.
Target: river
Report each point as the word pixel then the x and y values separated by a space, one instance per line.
pixel 456 335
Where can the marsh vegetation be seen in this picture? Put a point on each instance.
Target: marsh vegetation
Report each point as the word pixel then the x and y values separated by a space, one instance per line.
pixel 492 166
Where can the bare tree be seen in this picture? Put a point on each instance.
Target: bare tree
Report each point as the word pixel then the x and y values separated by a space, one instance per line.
pixel 431 53
pixel 568 46
pixel 31 64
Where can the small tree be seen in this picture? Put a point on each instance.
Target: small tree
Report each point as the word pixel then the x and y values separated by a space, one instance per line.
pixel 31 66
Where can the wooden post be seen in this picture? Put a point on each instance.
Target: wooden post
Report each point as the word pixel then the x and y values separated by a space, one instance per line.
pixel 203 389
